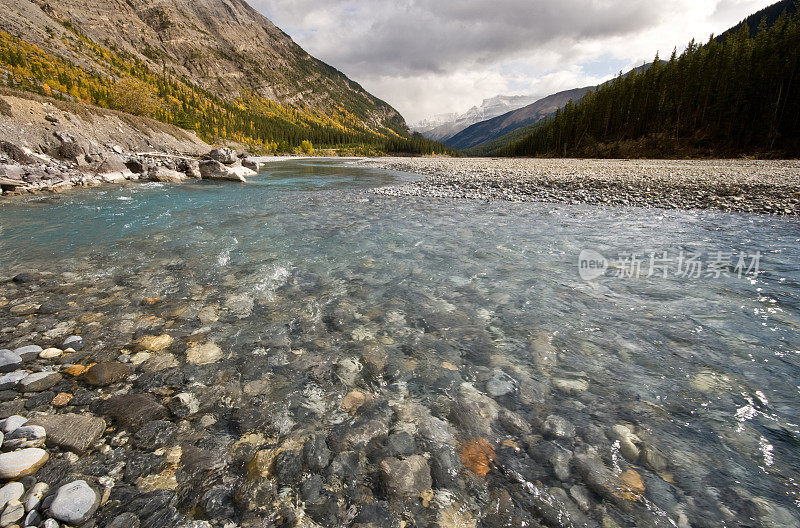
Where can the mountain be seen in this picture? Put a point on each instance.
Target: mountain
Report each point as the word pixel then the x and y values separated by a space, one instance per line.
pixel 731 97
pixel 768 15
pixel 214 65
pixel 501 125
pixel 507 126
pixel 445 126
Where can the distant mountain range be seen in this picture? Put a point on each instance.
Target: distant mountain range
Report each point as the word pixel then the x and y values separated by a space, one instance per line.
pixel 501 125
pixel 445 126
pixel 507 124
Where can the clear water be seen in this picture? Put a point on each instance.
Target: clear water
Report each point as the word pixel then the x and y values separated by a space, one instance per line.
pixel 304 268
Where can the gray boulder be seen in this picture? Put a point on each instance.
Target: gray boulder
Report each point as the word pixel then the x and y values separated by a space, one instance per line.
pixel 111 164
pixel 73 152
pixel 136 166
pixel 223 155
pixel 164 175
pixel 254 164
pixel 214 170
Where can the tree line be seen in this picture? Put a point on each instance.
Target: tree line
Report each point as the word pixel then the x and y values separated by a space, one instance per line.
pixel 731 96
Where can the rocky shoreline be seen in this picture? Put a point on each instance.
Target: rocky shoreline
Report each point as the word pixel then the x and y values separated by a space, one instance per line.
pixel 744 186
pixel 24 172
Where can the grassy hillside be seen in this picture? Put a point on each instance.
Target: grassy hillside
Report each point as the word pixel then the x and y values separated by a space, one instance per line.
pixel 739 95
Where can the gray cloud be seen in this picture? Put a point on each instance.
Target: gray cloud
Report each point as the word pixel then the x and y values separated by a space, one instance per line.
pixel 423 36
pixel 437 56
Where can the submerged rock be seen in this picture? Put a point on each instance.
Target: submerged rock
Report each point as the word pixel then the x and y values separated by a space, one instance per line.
pixel 406 478
pixel 74 432
pixel 104 374
pixel 558 427
pixel 134 410
pixel 204 354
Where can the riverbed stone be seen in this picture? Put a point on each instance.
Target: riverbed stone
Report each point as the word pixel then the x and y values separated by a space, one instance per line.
pixel 12 422
pixel 73 432
pixel 155 343
pixel 28 352
pixel 204 354
pixel 11 491
pixel 33 498
pixel 288 467
pixel 74 503
pixel 316 453
pixel 23 462
pixel 50 353
pixel 9 360
pixel 13 512
pixel 38 381
pixel 33 518
pixel 26 436
pixel 124 520
pixel 74 342
pixel 406 478
pixel 134 410
pixel 11 379
pixel 104 374
pixel 352 401
pixel 184 404
pixel 24 309
pixel 558 427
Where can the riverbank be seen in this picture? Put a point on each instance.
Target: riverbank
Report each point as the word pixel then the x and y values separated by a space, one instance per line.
pixel 766 187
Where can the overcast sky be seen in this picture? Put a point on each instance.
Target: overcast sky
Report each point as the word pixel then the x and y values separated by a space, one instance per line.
pixel 427 57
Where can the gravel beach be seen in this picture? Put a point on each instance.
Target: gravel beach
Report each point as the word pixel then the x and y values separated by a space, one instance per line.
pixel 766 187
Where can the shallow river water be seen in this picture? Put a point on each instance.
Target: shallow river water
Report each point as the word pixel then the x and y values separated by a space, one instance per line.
pixel 463 330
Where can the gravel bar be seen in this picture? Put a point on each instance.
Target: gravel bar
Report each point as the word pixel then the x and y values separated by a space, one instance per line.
pixel 746 186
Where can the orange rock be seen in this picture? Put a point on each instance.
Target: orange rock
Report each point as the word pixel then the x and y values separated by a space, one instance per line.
pixel 476 455
pixel 632 486
pixel 77 370
pixel 150 301
pixel 61 399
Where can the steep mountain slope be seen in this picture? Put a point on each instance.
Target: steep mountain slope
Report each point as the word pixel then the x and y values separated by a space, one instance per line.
pixel 499 126
pixel 450 125
pixel 209 49
pixel 769 15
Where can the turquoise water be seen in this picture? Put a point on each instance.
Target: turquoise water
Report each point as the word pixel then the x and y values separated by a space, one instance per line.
pixel 306 273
